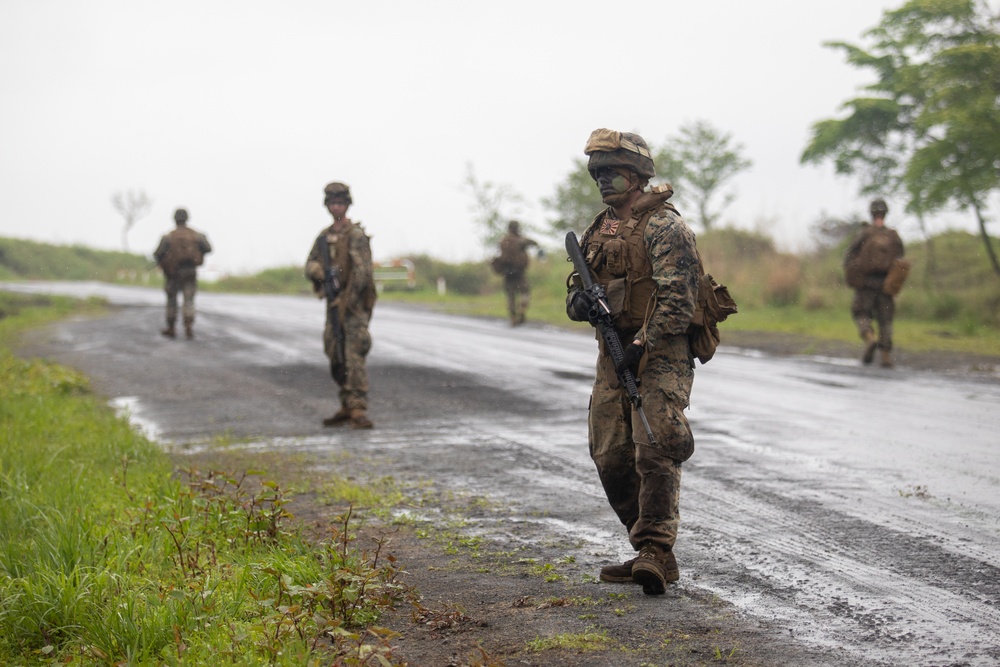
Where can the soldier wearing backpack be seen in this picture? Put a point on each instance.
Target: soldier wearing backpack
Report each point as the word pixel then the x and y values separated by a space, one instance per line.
pixel 642 253
pixel 875 268
pixel 512 264
pixel 179 255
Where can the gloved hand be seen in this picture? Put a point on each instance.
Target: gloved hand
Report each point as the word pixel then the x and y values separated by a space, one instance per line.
pixel 579 305
pixel 630 359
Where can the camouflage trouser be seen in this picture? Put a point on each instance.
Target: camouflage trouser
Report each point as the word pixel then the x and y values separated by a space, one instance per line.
pixel 357 343
pixel 642 481
pixel 184 281
pixel 518 295
pixel 871 303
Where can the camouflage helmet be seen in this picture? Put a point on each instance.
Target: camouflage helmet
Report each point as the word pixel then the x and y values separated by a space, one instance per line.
pixel 180 215
pixel 879 207
pixel 608 148
pixel 337 190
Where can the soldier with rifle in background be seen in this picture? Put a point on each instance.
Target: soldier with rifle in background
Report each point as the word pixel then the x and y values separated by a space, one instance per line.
pixel 637 280
pixel 340 268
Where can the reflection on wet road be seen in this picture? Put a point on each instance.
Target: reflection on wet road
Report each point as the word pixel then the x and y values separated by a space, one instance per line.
pixel 858 507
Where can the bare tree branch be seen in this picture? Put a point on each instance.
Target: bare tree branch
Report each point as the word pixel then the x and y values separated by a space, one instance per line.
pixel 132 205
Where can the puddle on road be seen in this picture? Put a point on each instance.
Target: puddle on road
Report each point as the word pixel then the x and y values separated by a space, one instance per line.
pixel 129 408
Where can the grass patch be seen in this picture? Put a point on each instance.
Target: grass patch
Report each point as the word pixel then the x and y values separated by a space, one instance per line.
pixel 110 556
pixel 20 259
pixel 580 642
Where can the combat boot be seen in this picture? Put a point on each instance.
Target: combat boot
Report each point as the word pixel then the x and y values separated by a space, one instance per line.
pixel 339 419
pixel 654 569
pixel 359 419
pixel 618 574
pixel 886 359
pixel 170 331
pixel 870 345
pixel 189 329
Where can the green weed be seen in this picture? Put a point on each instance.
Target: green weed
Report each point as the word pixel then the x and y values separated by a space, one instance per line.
pixel 587 641
pixel 109 556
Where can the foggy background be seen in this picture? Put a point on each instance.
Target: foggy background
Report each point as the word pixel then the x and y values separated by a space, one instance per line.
pixel 242 111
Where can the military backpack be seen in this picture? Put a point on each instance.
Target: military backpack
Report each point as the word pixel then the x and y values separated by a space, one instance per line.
pixel 714 305
pixel 183 250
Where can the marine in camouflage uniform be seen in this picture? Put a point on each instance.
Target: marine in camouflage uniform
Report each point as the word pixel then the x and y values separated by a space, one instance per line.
pixel 350 253
pixel 644 255
pixel 513 265
pixel 867 262
pixel 179 255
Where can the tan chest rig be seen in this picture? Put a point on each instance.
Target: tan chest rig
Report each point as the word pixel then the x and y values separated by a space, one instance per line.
pixel 340 256
pixel 615 250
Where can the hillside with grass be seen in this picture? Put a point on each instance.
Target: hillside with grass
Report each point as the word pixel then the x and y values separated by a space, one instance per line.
pixel 28 260
pixel 951 300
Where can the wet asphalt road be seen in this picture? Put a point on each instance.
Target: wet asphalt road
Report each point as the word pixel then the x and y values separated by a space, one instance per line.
pixel 859 508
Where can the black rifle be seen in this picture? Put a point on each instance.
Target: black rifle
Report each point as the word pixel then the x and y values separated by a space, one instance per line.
pixel 600 317
pixel 331 286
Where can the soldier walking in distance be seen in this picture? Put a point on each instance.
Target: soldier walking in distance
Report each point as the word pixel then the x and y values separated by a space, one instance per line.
pixel 867 262
pixel 179 255
pixel 340 268
pixel 512 264
pixel 642 253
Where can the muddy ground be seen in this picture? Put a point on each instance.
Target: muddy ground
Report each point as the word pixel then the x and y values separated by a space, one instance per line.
pixel 490 586
pixel 488 603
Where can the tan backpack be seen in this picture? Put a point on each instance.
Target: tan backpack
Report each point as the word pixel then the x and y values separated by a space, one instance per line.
pixel 714 305
pixel 183 249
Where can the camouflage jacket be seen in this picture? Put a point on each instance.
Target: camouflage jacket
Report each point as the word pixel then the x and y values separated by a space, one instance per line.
pixel 513 258
pixel 350 253
pixel 659 267
pixel 673 253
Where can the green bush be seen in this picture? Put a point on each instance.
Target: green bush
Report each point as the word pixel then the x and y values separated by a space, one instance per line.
pixel 281 280
pixel 468 278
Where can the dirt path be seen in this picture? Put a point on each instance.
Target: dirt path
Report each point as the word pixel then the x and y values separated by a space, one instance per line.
pixel 520 586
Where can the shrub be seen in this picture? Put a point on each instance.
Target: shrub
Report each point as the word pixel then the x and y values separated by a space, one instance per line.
pixel 945 307
pixel 783 285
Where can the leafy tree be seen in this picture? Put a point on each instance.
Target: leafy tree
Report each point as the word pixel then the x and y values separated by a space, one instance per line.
pixel 830 231
pixel 133 205
pixel 576 201
pixel 699 162
pixel 929 126
pixel 494 205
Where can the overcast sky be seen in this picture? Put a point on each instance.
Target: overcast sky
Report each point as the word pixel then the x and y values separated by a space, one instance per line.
pixel 242 111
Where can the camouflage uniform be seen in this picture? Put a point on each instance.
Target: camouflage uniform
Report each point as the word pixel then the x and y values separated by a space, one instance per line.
pixel 350 253
pixel 867 261
pixel 513 265
pixel 642 481
pixel 179 254
pixel 649 268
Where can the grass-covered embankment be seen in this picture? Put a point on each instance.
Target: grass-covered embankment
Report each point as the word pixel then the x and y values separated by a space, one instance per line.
pixel 109 556
pixel 28 260
pixel 950 303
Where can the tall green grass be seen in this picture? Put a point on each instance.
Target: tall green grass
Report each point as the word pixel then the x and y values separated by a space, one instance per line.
pixel 110 556
pixel 20 259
